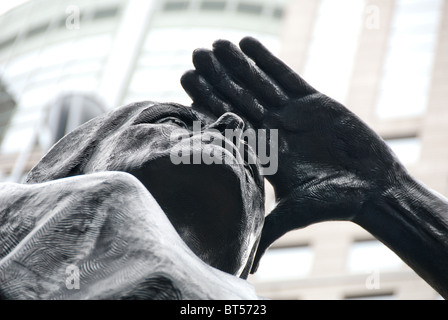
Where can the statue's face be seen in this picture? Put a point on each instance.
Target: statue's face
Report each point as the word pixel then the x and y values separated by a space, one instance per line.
pixel 217 209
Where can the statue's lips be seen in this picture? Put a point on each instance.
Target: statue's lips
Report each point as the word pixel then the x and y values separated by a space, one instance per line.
pixel 218 150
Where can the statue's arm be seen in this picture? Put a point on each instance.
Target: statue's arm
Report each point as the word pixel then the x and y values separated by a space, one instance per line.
pixel 99 236
pixel 412 220
pixel 331 165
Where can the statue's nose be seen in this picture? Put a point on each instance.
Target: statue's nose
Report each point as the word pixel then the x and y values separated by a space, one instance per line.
pixel 229 121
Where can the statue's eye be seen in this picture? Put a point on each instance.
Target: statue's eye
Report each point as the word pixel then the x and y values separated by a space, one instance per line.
pixel 172 120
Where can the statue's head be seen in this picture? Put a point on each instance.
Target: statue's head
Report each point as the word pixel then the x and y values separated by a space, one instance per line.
pixel 217 208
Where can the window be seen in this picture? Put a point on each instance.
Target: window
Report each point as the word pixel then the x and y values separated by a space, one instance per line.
pixel 411 49
pixel 79 83
pixel 16 138
pixel 372 255
pixel 162 63
pixel 213 5
pixel 19 66
pixel 7 42
pixel 407 149
pixel 249 8
pixel 278 13
pixel 285 264
pixel 333 46
pixel 60 22
pixel 7 108
pixel 67 112
pixel 35 96
pixel 37 30
pixel 178 5
pixel 104 13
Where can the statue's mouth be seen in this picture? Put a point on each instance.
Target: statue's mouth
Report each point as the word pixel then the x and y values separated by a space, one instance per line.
pixel 238 155
pixel 204 203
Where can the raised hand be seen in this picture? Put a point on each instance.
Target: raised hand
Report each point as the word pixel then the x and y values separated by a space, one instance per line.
pixel 330 163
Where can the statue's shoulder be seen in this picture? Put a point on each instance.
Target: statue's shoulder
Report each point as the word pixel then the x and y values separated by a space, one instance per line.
pixel 26 207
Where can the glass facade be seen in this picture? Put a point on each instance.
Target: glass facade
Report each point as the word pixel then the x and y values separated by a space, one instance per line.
pixel 409 59
pixel 179 27
pixel 166 55
pixel 48 58
pixel 333 46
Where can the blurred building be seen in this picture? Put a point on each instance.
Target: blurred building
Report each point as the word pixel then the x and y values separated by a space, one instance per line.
pixel 64 62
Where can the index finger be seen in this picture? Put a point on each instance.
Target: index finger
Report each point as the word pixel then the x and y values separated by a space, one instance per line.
pixel 288 79
pixel 247 74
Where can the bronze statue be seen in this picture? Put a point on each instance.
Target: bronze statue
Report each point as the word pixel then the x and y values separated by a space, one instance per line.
pixel 107 207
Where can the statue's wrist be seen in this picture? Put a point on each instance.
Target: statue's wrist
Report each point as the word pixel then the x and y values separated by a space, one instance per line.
pixel 402 201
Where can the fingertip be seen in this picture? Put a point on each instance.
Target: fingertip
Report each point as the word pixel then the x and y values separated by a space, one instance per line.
pixel 200 52
pixel 201 57
pixel 187 76
pixel 252 47
pixel 189 82
pixel 221 45
pixel 248 42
